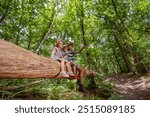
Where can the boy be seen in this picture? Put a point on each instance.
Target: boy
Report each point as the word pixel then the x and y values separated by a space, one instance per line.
pixel 70 58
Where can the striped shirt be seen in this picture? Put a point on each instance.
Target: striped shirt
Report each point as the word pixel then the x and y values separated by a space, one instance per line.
pixel 71 55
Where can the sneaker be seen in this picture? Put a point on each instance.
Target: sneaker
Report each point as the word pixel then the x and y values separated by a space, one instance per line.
pixel 64 75
pixel 71 74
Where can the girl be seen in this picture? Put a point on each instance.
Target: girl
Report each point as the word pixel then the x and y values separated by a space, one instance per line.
pixel 57 54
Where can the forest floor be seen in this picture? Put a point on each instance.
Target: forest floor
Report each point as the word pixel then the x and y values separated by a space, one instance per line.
pixel 123 86
pixel 131 87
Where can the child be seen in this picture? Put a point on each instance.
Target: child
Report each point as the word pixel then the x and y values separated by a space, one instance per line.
pixel 71 54
pixel 65 52
pixel 57 54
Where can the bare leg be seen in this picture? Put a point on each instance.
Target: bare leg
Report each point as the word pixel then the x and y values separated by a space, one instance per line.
pixel 63 69
pixel 74 68
pixel 69 68
pixel 80 71
pixel 80 80
pixel 80 86
pixel 62 66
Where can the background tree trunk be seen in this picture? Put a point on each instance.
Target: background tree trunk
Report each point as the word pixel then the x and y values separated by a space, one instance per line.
pixel 125 58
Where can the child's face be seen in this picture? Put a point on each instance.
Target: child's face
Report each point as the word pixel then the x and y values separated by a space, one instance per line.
pixel 70 46
pixel 60 45
pixel 65 48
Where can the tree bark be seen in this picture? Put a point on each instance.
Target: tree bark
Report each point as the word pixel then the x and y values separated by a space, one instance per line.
pixel 82 24
pixel 139 65
pixel 16 62
pixel 117 60
pixel 126 60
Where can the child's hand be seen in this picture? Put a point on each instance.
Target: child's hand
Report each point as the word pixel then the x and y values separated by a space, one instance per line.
pixel 85 46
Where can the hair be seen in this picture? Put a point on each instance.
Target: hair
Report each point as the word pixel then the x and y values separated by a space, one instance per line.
pixel 65 47
pixel 70 43
pixel 58 41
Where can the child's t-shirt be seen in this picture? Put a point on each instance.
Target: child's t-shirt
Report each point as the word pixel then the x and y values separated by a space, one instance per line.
pixel 58 54
pixel 71 55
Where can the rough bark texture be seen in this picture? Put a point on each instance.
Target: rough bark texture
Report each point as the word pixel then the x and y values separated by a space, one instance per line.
pixel 16 62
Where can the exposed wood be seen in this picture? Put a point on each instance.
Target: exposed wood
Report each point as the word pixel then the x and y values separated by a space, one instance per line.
pixel 16 62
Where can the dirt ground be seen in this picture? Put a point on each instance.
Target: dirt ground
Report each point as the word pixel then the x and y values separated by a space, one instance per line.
pixel 131 87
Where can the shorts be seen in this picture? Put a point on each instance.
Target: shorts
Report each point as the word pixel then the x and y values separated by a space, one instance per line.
pixel 77 66
pixel 58 60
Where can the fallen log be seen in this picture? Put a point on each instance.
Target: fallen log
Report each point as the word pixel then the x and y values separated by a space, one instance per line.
pixel 16 62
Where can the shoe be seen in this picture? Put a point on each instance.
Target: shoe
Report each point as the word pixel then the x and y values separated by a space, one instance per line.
pixel 64 75
pixel 71 74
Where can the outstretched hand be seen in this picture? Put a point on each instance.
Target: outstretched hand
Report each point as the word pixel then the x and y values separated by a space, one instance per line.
pixel 85 46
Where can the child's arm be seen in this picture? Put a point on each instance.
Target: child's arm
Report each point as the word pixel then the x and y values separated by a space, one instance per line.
pixel 66 55
pixel 78 52
pixel 53 53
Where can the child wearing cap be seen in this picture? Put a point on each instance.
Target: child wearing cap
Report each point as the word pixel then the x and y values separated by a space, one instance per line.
pixel 70 58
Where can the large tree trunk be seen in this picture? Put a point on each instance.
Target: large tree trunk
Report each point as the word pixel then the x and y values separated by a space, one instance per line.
pixel 16 62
